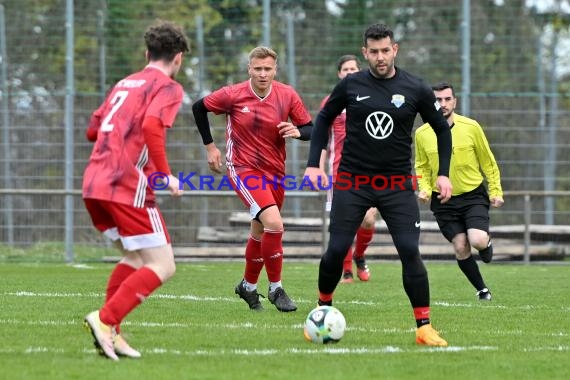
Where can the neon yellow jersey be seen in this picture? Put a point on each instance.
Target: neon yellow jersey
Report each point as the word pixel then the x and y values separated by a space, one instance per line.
pixel 471 158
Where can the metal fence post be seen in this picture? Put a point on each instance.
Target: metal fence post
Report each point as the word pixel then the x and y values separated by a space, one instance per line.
pixel 527 221
pixel 69 127
pixel 8 211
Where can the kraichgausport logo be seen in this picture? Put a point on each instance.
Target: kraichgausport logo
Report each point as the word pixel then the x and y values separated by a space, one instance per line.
pixel 343 181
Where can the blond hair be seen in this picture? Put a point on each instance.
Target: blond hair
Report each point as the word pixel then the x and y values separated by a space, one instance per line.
pixel 262 52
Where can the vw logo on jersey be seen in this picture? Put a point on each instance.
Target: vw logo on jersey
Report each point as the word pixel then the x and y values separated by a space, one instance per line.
pixel 398 100
pixel 379 125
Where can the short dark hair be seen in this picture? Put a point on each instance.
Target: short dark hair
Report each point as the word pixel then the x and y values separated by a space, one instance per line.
pixel 164 40
pixel 345 58
pixel 378 32
pixel 442 86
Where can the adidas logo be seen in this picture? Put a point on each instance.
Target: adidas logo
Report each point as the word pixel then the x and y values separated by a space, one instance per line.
pixel 245 109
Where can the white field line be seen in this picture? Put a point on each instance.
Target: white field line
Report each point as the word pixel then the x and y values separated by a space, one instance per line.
pixel 191 325
pixel 194 298
pixel 183 297
pixel 258 326
pixel 318 350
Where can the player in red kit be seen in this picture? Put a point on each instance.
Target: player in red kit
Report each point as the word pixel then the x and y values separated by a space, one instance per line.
pixel 261 114
pixel 129 134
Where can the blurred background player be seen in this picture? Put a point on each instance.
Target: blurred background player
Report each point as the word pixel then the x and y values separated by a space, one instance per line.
pixel 257 111
pixel 129 134
pixel 464 219
pixel 330 158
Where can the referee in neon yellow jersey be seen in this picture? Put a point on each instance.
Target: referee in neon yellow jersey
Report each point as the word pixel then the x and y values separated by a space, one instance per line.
pixel 464 219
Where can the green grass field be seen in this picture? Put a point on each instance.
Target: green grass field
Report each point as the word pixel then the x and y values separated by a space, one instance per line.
pixel 195 327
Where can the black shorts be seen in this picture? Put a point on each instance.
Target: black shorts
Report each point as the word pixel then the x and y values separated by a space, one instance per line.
pixel 461 212
pixel 398 208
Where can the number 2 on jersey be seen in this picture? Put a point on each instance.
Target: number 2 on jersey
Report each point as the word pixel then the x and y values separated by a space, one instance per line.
pixel 118 100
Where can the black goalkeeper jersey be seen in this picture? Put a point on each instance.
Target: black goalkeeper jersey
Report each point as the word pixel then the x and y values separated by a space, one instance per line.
pixel 380 116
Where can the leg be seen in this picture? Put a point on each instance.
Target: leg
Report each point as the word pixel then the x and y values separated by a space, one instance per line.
pixel 347 276
pixel 401 213
pixel 128 265
pixel 476 214
pixel 247 287
pixel 481 241
pixel 145 238
pixel 468 265
pixel 364 236
pixel 343 226
pixel 272 250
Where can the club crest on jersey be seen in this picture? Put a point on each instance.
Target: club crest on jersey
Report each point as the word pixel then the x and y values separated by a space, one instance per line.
pixel 398 100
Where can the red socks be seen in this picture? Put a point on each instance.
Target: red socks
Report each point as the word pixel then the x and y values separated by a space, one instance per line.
pixel 272 251
pixel 119 274
pixel 325 299
pixel 421 314
pixel 130 294
pixel 363 239
pixel 253 260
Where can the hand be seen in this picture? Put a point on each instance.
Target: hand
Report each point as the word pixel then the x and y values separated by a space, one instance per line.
pixel 444 188
pixel 317 177
pixel 287 129
pixel 174 186
pixel 497 201
pixel 214 158
pixel 424 197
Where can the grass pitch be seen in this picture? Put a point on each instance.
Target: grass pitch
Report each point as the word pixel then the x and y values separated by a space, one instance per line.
pixel 195 327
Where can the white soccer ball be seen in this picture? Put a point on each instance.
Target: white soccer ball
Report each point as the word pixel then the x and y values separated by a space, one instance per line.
pixel 324 324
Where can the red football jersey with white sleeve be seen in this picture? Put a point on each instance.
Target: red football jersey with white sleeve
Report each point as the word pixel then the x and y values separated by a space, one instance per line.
pixel 252 137
pixel 337 134
pixel 119 164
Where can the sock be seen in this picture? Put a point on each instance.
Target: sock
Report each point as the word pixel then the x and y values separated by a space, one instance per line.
pixel 487 251
pixel 363 239
pixel 272 251
pixel 422 315
pixel 130 294
pixel 249 286
pixel 274 285
pixel 347 263
pixel 325 299
pixel 119 274
pixel 253 262
pixel 470 268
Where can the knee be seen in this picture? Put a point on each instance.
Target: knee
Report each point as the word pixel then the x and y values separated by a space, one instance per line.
pixel 167 272
pixel 462 248
pixel 275 224
pixel 369 219
pixel 270 218
pixel 479 241
pixel 462 254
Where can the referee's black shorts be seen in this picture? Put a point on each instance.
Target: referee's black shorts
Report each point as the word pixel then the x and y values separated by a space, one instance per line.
pixel 461 212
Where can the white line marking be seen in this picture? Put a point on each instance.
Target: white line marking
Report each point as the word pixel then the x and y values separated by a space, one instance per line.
pixel 318 350
pixel 195 298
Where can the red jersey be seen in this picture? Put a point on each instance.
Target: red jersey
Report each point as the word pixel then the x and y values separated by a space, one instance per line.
pixel 119 164
pixel 337 134
pixel 252 138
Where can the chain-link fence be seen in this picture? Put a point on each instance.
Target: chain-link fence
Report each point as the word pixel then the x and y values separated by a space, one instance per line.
pixel 507 59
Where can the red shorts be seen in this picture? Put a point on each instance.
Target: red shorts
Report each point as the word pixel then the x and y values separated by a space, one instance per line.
pixel 256 191
pixel 137 228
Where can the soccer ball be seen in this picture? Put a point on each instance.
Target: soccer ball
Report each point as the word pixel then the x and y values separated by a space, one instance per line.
pixel 324 324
